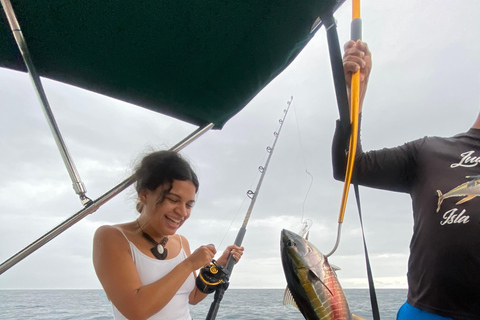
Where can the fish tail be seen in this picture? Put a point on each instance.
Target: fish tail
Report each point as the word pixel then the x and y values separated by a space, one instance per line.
pixel 440 199
pixel 355 317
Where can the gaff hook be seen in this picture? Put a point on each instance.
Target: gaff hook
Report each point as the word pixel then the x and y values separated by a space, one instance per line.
pixel 356 34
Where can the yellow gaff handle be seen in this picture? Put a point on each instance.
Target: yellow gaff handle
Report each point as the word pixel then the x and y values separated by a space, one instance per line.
pixel 354 106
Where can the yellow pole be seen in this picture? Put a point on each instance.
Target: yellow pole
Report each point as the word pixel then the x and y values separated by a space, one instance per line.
pixel 354 106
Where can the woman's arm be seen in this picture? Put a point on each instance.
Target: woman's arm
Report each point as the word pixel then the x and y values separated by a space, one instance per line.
pixel 118 275
pixel 196 295
pixel 236 252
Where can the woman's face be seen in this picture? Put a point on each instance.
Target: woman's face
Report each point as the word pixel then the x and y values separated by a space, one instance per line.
pixel 166 212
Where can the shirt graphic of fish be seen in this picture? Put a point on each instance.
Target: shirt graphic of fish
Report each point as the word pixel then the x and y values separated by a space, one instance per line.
pixel 468 190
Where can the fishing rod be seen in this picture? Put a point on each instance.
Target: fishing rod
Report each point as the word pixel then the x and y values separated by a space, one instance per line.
pixel 356 34
pixel 222 287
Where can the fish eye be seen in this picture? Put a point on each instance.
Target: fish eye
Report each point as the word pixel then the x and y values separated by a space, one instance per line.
pixel 290 243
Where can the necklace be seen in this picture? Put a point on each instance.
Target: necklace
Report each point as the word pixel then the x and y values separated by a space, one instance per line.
pixel 158 250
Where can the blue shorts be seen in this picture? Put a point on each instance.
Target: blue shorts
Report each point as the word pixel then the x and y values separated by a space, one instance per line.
pixel 409 312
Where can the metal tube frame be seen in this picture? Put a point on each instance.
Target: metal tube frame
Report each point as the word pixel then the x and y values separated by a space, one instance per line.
pixel 78 185
pixel 92 207
pixel 89 205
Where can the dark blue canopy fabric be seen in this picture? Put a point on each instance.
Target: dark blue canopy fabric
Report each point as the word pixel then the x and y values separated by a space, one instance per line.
pixel 197 61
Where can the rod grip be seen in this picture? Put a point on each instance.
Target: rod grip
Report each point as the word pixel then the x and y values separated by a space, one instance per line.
pixel 356 29
pixel 212 312
pixel 240 236
pixel 238 241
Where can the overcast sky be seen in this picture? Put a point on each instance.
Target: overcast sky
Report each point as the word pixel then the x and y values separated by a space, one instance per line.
pixel 425 81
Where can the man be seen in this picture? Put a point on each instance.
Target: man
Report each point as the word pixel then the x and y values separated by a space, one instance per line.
pixel 442 176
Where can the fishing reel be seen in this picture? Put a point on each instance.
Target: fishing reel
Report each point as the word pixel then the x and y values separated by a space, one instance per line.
pixel 212 276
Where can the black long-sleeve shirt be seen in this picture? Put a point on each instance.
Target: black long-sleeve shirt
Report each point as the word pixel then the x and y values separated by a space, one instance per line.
pixel 442 176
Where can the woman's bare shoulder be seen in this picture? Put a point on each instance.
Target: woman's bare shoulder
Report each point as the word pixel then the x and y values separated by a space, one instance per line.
pixel 111 235
pixel 110 242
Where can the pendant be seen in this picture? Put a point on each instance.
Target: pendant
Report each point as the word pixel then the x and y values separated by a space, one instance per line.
pixel 160 249
pixel 159 255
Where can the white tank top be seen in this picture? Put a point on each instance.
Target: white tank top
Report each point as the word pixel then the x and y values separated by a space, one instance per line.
pixel 150 270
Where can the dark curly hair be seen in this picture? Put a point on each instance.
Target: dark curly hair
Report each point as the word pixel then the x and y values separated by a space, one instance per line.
pixel 161 168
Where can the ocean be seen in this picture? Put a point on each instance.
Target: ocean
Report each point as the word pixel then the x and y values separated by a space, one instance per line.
pixel 248 304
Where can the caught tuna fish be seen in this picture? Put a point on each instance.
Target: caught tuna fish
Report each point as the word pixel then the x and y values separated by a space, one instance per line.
pixel 312 283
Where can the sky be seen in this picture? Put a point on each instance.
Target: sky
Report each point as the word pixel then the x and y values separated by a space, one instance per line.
pixel 425 81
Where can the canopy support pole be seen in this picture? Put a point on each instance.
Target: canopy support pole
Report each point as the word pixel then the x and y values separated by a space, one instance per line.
pixel 78 185
pixel 91 207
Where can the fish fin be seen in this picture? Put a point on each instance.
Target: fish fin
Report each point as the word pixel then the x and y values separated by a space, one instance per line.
pixel 335 268
pixel 313 276
pixel 467 198
pixel 288 299
pixel 440 199
pixel 355 317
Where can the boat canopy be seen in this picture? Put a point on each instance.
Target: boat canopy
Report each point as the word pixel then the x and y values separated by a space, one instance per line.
pixel 197 61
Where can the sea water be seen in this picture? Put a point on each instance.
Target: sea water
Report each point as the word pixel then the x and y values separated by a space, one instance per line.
pixel 248 304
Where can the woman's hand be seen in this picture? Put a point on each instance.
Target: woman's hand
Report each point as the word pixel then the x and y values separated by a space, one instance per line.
pixel 236 251
pixel 202 256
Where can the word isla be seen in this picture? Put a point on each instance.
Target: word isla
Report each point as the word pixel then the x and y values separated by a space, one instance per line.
pixel 451 217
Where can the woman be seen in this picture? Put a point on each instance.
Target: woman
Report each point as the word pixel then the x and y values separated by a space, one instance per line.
pixel 145 268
